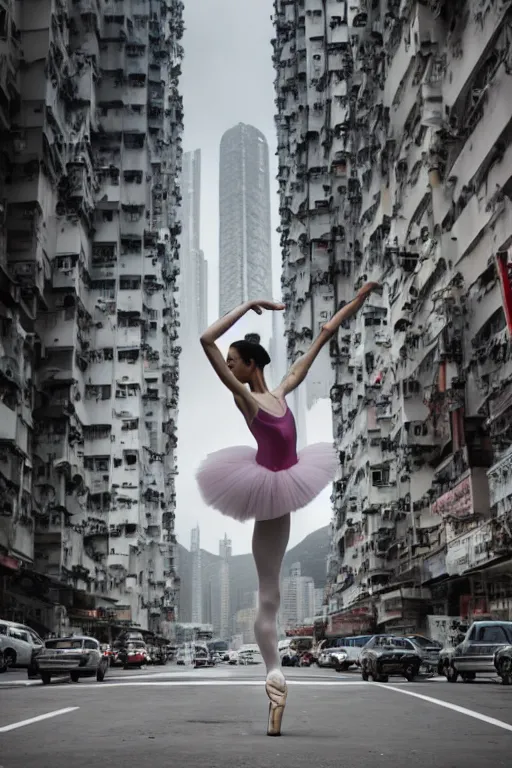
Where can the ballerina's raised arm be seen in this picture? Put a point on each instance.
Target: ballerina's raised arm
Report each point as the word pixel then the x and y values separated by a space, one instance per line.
pixel 300 367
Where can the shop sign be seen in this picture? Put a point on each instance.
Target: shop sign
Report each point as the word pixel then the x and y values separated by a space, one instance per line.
pixel 355 621
pixel 480 549
pixel 457 555
pixel 440 628
pixel 81 613
pixel 434 566
pixel 457 503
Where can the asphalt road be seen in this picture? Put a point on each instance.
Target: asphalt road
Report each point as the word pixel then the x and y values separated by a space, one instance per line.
pixel 171 716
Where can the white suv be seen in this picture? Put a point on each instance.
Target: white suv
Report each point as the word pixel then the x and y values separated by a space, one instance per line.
pixel 18 644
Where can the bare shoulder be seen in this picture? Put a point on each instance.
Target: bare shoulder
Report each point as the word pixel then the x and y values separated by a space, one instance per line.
pixel 280 391
pixel 247 406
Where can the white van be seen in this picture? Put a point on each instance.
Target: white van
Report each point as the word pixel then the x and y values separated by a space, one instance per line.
pixel 18 643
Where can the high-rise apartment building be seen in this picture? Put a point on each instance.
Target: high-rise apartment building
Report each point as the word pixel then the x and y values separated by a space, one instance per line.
pixel 197 589
pixel 90 122
pixel 297 598
pixel 193 265
pixel 225 549
pixel 394 165
pixel 245 252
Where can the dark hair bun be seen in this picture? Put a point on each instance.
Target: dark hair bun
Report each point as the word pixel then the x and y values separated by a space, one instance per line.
pixel 250 349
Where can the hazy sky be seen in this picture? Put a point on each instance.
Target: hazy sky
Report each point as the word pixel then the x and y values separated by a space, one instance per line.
pixel 227 79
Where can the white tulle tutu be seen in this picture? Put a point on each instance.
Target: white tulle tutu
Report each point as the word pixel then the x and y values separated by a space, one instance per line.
pixel 231 481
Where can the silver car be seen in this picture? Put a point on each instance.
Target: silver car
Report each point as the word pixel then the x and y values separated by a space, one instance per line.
pixel 78 656
pixel 476 654
pixel 19 645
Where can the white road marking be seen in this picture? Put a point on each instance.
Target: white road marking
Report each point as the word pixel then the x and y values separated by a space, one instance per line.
pixel 453 707
pixel 208 683
pixel 47 716
pixel 23 683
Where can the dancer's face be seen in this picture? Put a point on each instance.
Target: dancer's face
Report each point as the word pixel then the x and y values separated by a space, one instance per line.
pixel 242 371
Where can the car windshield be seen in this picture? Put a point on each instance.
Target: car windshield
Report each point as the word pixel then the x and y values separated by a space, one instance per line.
pixel 64 644
pixel 424 642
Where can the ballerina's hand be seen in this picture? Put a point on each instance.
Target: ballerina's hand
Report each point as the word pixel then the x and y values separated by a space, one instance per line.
pixel 368 288
pixel 258 306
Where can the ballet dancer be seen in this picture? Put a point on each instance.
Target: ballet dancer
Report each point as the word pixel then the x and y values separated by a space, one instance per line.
pixel 268 484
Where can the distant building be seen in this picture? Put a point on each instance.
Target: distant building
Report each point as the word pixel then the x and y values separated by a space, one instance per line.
pixel 193 294
pixel 297 598
pixel 245 253
pixel 225 549
pixel 197 597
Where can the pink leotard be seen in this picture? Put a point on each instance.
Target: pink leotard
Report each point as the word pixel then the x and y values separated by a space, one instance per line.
pixel 276 437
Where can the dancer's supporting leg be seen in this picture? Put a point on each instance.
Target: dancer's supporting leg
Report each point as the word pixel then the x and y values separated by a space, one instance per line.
pixel 269 542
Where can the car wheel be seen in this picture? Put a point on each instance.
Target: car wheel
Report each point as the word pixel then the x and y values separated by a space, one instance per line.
pixel 100 674
pixel 410 673
pixel 451 674
pixel 9 659
pixel 46 678
pixel 75 677
pixel 505 672
pixel 468 677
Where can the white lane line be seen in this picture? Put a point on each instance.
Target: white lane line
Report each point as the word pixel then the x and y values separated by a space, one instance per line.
pixel 23 683
pixel 453 707
pixel 208 683
pixel 47 716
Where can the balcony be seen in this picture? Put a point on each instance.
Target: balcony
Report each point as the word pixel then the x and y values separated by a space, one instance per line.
pixel 8 423
pixel 500 480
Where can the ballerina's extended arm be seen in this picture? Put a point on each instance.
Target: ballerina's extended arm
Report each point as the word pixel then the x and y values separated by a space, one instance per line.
pixel 300 368
pixel 218 329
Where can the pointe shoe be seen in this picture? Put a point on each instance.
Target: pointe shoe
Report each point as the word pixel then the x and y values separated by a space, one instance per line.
pixel 277 692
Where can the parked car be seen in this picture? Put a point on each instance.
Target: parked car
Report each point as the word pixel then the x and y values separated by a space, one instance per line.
pixel 133 654
pixel 344 652
pixel 77 655
pixel 248 655
pixel 181 657
pixel 503 664
pixel 386 655
pixel 477 653
pixel 291 649
pixel 429 651
pixel 202 657
pixel 20 646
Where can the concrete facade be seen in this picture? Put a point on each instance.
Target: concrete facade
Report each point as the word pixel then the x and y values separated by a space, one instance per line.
pixel 91 122
pixel 394 149
pixel 245 252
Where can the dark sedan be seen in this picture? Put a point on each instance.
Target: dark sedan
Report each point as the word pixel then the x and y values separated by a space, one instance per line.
pixel 386 655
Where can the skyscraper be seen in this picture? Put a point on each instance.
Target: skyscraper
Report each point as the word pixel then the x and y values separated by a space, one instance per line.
pixel 245 254
pixel 225 555
pixel 194 267
pixel 197 596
